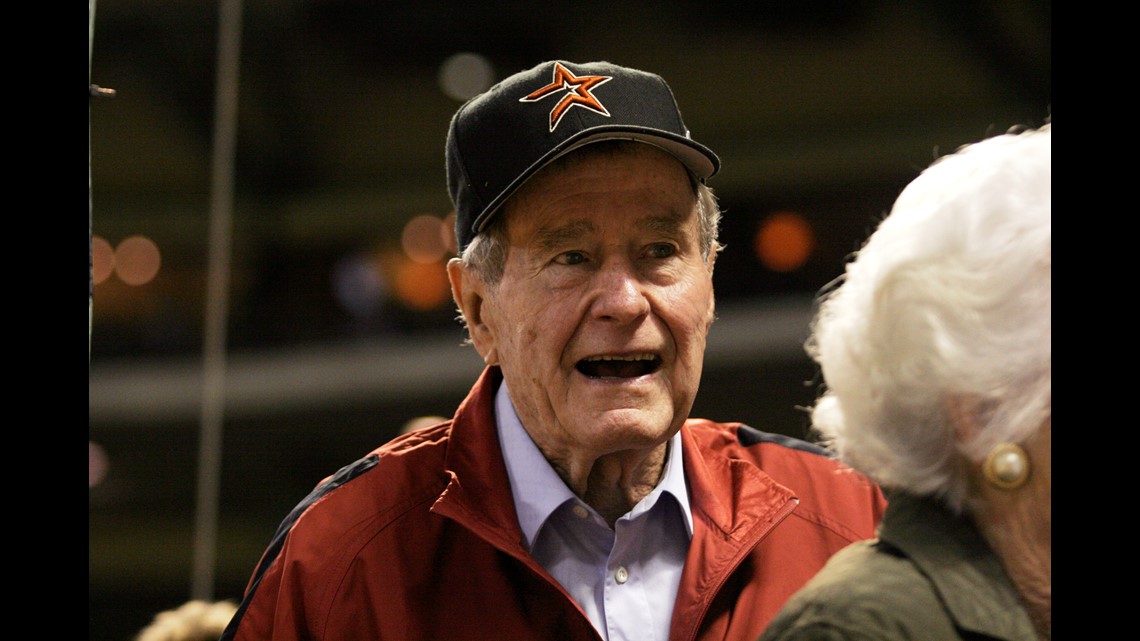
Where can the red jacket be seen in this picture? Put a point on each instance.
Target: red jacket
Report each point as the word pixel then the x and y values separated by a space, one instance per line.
pixel 419 540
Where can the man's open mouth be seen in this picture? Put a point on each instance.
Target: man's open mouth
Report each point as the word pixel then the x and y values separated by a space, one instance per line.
pixel 619 366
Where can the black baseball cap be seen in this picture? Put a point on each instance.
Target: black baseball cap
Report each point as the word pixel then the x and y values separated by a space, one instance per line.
pixel 500 138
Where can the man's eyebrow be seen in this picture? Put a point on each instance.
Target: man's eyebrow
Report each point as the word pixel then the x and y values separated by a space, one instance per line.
pixel 664 224
pixel 554 237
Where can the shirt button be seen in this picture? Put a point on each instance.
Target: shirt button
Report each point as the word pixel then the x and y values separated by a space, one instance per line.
pixel 621 575
pixel 580 512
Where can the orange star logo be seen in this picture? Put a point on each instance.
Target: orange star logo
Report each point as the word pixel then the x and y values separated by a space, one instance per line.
pixel 577 94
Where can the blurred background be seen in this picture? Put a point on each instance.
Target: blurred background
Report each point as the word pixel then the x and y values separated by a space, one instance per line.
pixel 336 324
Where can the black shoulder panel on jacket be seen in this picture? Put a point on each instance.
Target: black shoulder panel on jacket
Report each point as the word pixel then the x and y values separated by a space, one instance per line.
pixel 748 435
pixel 342 476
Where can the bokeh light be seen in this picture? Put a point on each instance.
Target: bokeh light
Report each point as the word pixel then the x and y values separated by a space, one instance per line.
pixel 783 241
pixel 421 286
pixel 359 285
pixel 423 239
pixel 420 422
pixel 97 464
pixel 137 260
pixel 465 74
pixel 102 259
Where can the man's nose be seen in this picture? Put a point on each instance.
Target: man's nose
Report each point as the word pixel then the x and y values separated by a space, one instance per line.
pixel 619 292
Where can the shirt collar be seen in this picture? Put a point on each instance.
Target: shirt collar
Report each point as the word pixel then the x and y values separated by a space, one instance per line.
pixel 537 488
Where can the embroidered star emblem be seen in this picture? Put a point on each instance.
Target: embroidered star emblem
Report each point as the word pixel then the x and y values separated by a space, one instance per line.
pixel 577 93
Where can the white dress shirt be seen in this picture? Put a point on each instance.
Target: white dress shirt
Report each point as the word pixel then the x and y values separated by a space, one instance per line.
pixel 624 578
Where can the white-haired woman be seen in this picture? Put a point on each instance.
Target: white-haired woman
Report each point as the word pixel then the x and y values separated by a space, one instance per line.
pixel 935 349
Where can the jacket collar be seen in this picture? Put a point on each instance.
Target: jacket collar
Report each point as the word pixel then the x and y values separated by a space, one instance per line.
pixel 732 496
pixel 478 492
pixel 948 549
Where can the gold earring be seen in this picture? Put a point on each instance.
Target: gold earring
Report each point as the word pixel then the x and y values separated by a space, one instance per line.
pixel 1007 466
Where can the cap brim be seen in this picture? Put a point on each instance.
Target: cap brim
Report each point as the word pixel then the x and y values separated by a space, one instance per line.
pixel 699 160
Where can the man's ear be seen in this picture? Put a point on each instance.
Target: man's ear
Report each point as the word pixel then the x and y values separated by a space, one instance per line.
pixel 468 290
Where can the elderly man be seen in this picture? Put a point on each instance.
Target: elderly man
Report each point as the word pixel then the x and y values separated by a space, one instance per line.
pixel 571 496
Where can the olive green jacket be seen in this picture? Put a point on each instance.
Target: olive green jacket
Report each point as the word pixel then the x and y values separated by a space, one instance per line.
pixel 928 576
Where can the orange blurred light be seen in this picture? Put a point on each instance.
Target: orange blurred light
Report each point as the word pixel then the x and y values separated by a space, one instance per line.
pixel 784 241
pixel 97 464
pixel 137 260
pixel 422 239
pixel 421 286
pixel 102 259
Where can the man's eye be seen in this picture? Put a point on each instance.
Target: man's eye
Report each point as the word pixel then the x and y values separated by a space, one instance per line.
pixel 571 258
pixel 662 250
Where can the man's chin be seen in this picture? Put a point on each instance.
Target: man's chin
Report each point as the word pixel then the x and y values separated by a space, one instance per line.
pixel 645 426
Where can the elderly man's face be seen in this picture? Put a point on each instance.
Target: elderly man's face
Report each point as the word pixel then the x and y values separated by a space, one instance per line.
pixel 600 320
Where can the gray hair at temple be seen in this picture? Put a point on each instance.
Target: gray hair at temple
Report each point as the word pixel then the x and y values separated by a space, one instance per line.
pixel 948 300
